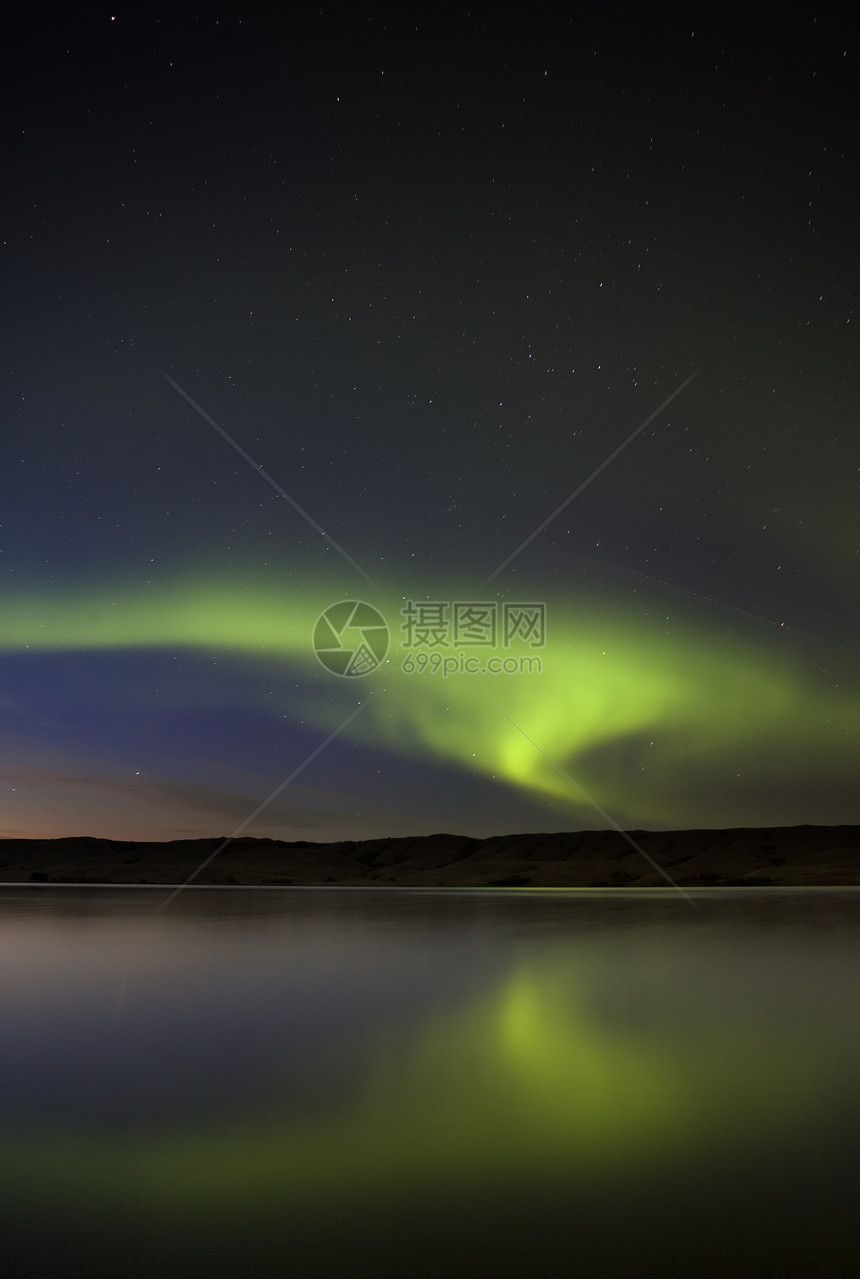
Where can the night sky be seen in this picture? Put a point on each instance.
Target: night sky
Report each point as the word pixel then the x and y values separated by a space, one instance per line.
pixel 344 306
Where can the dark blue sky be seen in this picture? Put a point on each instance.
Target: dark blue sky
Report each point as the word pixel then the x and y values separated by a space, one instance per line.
pixel 428 276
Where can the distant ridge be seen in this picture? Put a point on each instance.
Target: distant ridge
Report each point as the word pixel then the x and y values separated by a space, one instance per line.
pixel 783 855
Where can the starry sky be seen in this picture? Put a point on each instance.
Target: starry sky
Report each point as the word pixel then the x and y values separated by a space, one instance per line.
pixel 453 318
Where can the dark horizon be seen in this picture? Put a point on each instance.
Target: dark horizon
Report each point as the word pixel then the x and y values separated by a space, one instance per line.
pixel 810 856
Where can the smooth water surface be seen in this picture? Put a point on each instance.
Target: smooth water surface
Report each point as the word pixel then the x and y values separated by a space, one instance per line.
pixel 370 1082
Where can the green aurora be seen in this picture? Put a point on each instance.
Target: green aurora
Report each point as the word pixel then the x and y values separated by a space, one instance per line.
pixel 525 1084
pixel 668 724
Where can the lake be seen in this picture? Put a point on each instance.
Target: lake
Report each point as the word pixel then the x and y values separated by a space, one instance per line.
pixel 384 1082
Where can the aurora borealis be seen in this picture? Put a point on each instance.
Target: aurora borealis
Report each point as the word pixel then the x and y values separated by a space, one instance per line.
pixel 426 280
pixel 387 1060
pixel 661 732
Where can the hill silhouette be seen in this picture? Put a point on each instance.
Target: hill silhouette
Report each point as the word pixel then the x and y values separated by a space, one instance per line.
pixel 788 855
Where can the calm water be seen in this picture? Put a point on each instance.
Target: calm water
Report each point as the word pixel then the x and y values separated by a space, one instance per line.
pixel 336 1082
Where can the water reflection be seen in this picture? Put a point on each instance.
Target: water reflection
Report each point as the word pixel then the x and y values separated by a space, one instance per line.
pixel 253 1066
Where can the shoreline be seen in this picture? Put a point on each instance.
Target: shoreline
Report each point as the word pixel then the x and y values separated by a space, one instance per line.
pixel 439 889
pixel 773 857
